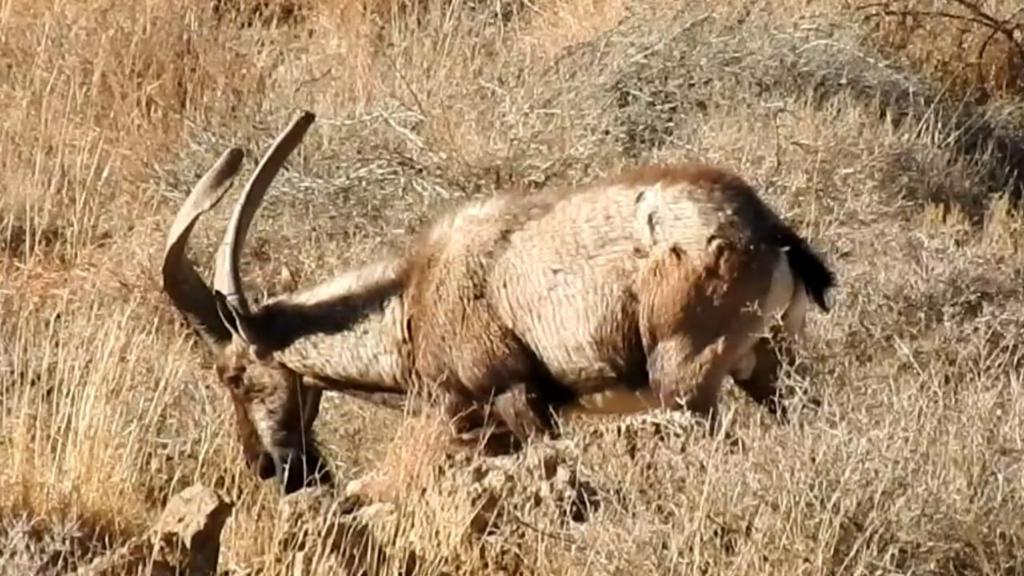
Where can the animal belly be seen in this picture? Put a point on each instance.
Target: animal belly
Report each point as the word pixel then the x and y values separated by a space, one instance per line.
pixel 613 400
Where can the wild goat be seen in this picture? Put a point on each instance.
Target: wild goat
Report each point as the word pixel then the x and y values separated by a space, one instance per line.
pixel 640 291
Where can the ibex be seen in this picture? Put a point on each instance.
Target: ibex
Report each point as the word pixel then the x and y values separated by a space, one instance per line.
pixel 640 291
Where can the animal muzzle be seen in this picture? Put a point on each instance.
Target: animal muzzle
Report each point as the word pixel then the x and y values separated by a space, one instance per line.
pixel 304 469
pixel 264 466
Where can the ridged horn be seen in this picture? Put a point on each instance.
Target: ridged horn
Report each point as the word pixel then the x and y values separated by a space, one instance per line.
pixel 230 296
pixel 186 289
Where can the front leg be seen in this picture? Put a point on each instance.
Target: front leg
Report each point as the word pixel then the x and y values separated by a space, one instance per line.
pixel 474 425
pixel 523 412
pixel 501 426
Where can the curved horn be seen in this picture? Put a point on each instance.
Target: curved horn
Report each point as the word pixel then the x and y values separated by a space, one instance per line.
pixel 186 289
pixel 227 281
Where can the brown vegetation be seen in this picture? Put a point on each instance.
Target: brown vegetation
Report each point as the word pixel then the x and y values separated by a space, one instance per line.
pixel 111 110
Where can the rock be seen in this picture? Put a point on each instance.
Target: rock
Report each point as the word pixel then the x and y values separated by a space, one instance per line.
pixel 184 540
pixel 370 488
pixel 188 531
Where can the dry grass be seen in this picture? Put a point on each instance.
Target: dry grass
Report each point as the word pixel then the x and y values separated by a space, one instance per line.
pixel 855 127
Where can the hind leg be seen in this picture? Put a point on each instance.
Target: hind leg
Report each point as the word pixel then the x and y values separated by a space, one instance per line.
pixel 703 315
pixel 771 354
pixel 760 380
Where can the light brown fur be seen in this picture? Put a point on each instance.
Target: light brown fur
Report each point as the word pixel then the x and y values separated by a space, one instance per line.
pixel 642 290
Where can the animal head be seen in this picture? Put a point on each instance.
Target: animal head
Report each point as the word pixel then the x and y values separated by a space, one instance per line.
pixel 274 411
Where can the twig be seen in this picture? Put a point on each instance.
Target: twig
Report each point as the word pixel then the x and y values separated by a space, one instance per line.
pixel 977 16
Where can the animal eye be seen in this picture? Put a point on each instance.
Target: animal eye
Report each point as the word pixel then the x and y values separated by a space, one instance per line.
pixel 234 378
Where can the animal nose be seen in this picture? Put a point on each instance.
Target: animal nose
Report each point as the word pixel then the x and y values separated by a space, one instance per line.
pixel 305 470
pixel 265 466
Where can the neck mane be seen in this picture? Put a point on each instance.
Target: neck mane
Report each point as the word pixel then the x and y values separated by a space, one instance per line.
pixel 345 334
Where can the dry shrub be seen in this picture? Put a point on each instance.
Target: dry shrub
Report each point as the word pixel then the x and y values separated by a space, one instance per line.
pixel 973 48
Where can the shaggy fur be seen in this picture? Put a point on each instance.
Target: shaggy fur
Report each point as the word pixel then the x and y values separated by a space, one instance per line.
pixel 639 291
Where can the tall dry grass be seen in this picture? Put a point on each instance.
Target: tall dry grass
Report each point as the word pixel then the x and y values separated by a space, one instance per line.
pixel 861 127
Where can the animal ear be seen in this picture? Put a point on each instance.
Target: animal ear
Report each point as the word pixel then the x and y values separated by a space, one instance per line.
pixel 237 322
pixel 226 312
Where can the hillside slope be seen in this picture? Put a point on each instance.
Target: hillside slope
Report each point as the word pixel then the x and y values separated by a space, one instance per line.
pixel 891 134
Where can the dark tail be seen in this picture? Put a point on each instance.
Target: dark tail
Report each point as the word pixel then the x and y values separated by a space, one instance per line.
pixel 807 266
